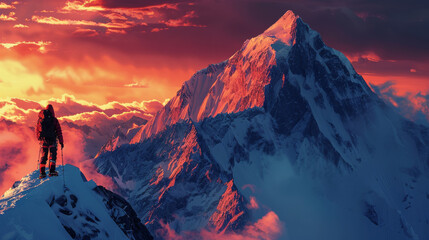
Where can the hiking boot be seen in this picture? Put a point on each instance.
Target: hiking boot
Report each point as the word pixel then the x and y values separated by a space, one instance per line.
pixel 42 175
pixel 53 173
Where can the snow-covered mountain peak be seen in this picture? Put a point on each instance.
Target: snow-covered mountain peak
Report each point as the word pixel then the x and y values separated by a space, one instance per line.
pixel 288 56
pixel 284 29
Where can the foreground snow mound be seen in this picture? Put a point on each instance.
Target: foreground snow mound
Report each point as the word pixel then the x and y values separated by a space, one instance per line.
pixel 43 209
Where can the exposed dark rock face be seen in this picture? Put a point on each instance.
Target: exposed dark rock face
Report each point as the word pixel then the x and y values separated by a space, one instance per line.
pixel 123 214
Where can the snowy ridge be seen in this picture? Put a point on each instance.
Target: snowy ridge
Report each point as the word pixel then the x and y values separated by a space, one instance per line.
pixel 42 209
pixel 185 105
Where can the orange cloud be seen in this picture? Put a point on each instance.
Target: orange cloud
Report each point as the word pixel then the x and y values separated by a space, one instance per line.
pixel 137 84
pixel 6 6
pixel 114 16
pixel 79 112
pixel 56 21
pixel 414 106
pixel 90 6
pixel 84 32
pixel 10 17
pixel 158 29
pixel 144 15
pixel 117 31
pixel 11 112
pixel 102 120
pixel 184 21
pixel 253 204
pixel 369 56
pixel 96 6
pixel 26 45
pixel 18 150
pixel 269 227
pixel 403 84
pixel 20 26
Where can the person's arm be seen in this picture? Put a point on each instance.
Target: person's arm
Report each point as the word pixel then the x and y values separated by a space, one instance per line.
pixel 59 132
pixel 38 129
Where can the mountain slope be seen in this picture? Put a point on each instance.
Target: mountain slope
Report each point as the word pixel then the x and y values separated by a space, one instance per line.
pixel 173 172
pixel 290 117
pixel 44 209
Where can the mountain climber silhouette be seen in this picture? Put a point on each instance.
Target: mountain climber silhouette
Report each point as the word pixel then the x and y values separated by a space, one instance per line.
pixel 48 130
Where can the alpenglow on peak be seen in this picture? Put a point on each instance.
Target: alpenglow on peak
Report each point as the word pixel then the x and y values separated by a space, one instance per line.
pixel 284 28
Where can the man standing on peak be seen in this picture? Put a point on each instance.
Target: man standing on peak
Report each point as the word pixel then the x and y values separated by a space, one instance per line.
pixel 48 130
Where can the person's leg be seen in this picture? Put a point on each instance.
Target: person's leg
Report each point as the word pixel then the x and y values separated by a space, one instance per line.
pixel 43 160
pixel 52 159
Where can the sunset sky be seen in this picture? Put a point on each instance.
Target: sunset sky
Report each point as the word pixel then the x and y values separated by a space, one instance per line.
pixel 138 50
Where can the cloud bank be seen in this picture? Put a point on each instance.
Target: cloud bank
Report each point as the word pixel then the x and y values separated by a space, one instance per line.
pixel 414 106
pixel 86 127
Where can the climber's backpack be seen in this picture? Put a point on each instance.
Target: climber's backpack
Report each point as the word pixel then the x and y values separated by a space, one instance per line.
pixel 47 132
